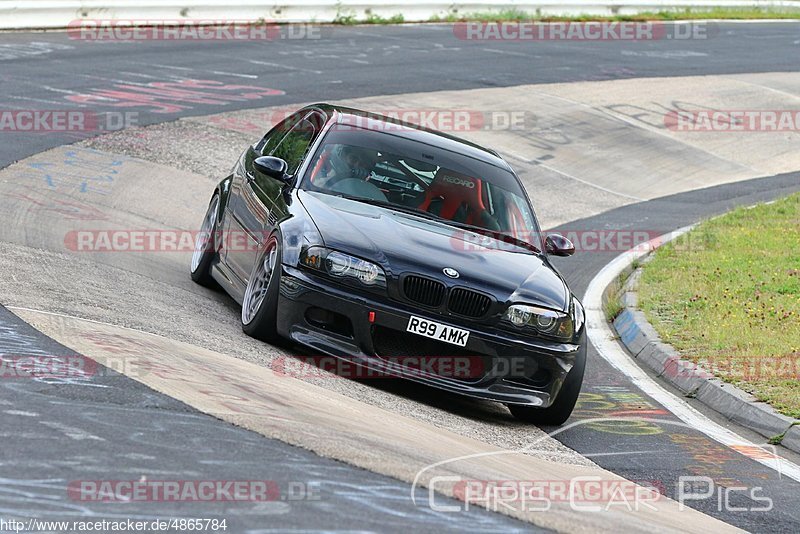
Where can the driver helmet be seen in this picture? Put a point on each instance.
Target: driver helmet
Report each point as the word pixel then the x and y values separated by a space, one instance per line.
pixel 353 162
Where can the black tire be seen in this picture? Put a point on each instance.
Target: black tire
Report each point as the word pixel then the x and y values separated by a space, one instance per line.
pixel 205 246
pixel 259 320
pixel 558 412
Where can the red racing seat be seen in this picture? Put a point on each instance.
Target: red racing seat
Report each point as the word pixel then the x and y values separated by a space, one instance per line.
pixel 455 197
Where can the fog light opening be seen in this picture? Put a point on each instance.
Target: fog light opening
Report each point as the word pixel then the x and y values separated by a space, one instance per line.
pixel 330 321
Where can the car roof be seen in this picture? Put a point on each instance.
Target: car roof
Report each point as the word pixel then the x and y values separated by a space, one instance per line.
pixel 346 115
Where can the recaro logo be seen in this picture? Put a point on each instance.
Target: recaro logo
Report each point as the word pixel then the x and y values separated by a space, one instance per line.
pixel 459 181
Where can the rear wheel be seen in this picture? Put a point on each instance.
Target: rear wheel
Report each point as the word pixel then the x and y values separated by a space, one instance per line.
pixel 558 412
pixel 205 246
pixel 260 303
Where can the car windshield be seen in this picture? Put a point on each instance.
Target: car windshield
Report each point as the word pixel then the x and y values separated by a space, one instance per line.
pixel 405 174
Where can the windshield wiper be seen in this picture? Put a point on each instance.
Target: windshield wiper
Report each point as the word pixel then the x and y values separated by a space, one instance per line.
pixel 398 207
pixel 500 236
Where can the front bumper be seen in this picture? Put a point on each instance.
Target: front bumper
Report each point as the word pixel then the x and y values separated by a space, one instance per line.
pixel 499 365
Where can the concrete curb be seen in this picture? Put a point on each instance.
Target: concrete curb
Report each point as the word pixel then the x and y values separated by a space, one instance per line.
pixel 641 339
pixel 792 438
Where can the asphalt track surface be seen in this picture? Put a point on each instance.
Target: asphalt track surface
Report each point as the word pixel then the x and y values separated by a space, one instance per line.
pixel 363 61
pixel 114 428
pixel 45 70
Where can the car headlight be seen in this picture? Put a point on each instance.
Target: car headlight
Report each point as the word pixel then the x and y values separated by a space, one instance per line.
pixel 341 265
pixel 543 321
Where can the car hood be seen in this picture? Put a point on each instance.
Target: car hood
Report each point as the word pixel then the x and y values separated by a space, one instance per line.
pixel 403 243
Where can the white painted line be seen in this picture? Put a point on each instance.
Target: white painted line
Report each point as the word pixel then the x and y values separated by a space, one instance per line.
pixel 768 88
pixel 507 52
pixel 235 74
pixel 41 100
pixel 70 431
pixel 57 90
pixel 167 66
pixel 140 75
pixel 287 67
pixel 575 178
pixel 642 126
pixel 599 332
pixel 21 413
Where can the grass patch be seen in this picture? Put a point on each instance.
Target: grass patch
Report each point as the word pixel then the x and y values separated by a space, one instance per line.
pixel 613 306
pixel 372 18
pixel 725 13
pixel 777 440
pixel 727 296
pixel 348 17
pixel 344 17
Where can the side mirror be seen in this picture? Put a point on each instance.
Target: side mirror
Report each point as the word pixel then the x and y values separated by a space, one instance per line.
pixel 558 245
pixel 272 167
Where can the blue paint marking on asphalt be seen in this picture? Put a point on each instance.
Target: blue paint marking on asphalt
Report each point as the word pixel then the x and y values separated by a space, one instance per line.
pixel 88 174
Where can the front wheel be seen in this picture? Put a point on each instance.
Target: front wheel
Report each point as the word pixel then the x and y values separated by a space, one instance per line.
pixel 205 246
pixel 260 302
pixel 558 412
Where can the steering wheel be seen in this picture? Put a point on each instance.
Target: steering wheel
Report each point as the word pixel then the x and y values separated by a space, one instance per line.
pixel 359 188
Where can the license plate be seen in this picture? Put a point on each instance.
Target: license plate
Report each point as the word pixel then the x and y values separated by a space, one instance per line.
pixel 438 331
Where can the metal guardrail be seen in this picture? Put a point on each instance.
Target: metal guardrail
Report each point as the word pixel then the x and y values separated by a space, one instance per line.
pixel 19 14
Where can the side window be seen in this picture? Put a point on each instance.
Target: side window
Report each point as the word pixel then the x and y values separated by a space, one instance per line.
pixel 277 133
pixel 296 142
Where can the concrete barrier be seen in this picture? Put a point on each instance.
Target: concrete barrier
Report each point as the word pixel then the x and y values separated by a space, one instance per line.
pixel 22 14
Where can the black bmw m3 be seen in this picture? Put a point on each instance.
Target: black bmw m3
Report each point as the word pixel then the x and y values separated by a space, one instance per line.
pixel 399 249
